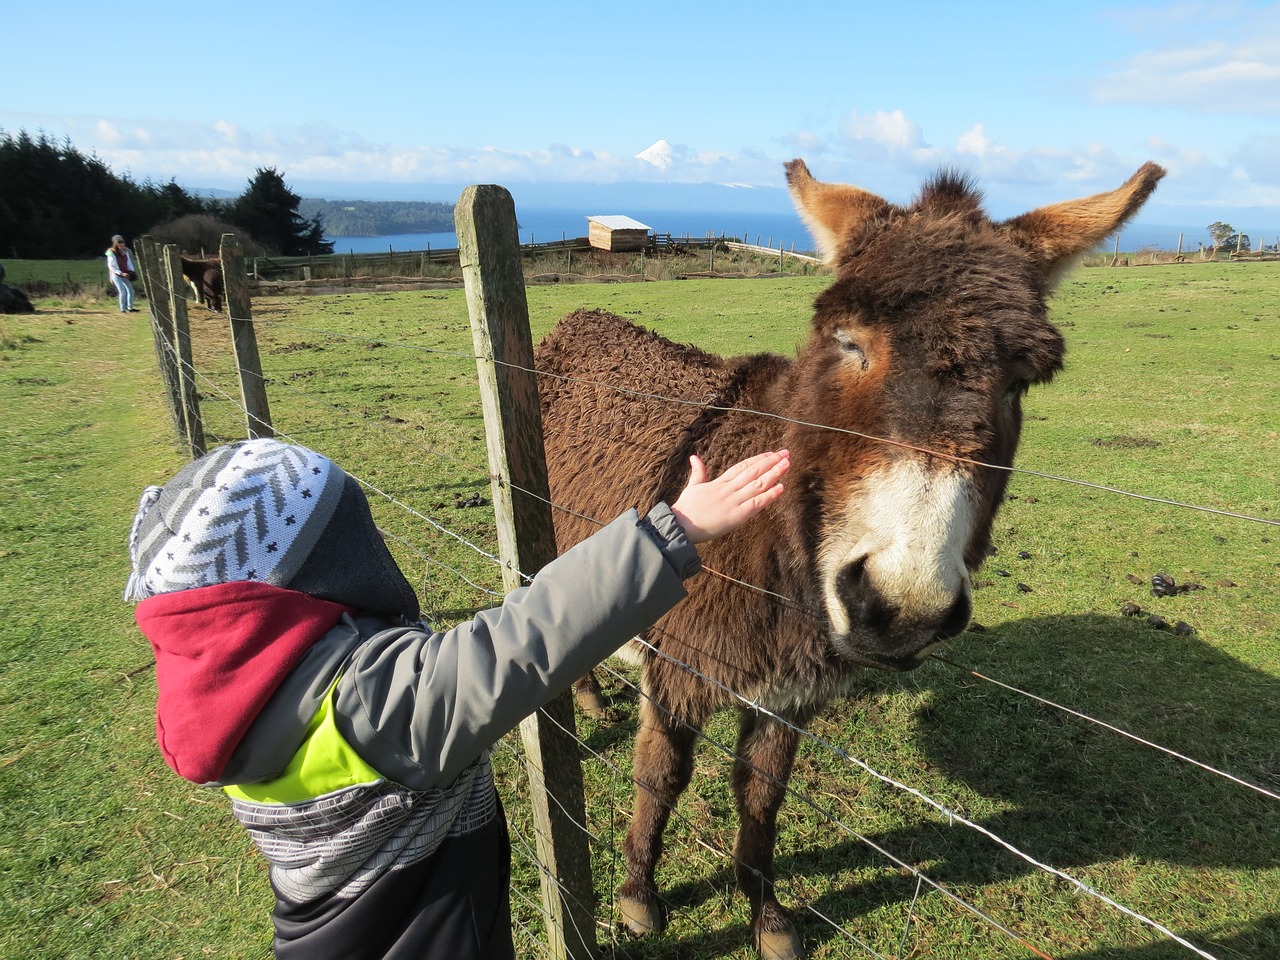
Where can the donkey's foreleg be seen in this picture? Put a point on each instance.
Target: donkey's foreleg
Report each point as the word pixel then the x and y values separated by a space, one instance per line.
pixel 590 698
pixel 663 766
pixel 766 753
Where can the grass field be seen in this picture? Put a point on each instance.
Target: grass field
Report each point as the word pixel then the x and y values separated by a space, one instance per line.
pixel 1171 391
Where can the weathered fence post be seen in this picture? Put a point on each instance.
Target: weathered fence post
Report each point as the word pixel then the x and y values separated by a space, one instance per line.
pixel 156 287
pixel 253 389
pixel 489 251
pixel 172 261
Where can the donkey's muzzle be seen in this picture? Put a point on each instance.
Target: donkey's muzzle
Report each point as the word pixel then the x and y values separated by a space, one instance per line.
pixel 889 634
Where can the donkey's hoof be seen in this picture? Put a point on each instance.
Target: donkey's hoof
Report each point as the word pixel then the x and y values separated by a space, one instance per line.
pixel 642 918
pixel 780 945
pixel 592 704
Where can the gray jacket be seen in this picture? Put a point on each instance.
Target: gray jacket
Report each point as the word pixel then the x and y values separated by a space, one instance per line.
pixel 421 709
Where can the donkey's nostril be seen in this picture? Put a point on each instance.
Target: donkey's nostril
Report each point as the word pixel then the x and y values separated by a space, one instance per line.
pixel 851 575
pixel 957 618
pixel 863 603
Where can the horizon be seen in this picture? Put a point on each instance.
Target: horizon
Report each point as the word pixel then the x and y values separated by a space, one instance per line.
pixel 1038 103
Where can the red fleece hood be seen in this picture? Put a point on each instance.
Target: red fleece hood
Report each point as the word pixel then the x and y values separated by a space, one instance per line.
pixel 221 652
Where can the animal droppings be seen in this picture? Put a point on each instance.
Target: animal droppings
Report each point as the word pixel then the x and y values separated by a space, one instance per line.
pixel 1163 585
pixel 1023 588
pixel 1183 629
pixel 1003 573
pixel 1023 555
pixel 1133 579
pixel 1131 610
pixel 1157 621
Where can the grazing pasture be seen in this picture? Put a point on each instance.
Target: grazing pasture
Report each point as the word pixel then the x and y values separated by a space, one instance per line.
pixel 1170 390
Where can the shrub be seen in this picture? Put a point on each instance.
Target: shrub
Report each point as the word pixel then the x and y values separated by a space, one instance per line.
pixel 200 234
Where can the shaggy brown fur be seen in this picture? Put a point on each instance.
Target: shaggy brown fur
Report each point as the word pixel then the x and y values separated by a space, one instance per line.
pixel 932 331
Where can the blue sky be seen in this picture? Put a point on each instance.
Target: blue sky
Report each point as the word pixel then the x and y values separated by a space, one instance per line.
pixel 1040 101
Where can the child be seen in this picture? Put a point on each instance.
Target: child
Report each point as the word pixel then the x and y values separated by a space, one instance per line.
pixel 293 672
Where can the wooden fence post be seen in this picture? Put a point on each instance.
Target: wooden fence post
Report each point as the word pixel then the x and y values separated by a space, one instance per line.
pixel 253 389
pixel 489 251
pixel 156 288
pixel 172 261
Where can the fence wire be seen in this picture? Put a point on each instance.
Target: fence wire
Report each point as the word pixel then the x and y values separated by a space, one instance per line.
pixel 827 816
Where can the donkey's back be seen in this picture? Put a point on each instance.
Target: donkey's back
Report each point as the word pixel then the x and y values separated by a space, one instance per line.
pixel 622 409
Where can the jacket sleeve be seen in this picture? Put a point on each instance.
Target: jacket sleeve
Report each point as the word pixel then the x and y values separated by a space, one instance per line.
pixel 421 707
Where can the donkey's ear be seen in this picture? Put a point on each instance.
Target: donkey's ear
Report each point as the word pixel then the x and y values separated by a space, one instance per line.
pixel 829 210
pixel 1060 232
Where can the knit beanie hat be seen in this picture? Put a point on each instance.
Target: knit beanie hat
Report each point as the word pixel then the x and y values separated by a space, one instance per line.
pixel 267 511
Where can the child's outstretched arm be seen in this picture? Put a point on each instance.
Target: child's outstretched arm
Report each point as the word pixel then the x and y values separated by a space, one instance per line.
pixel 709 509
pixel 421 707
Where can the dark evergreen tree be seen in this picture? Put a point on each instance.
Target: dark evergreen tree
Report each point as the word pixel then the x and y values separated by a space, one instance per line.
pixel 268 212
pixel 175 202
pixel 57 202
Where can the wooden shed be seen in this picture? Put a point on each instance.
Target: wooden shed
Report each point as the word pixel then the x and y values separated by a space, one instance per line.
pixel 617 234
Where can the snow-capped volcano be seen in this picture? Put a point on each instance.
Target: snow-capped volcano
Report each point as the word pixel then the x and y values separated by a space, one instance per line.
pixel 659 153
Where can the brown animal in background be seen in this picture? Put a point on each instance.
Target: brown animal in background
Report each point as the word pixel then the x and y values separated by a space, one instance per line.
pixel 204 275
pixel 930 335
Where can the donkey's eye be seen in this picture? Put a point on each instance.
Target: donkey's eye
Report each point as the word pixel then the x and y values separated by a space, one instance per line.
pixel 850 349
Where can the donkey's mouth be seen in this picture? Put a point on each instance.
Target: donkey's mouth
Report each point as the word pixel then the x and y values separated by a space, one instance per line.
pixel 900 659
pixel 895 664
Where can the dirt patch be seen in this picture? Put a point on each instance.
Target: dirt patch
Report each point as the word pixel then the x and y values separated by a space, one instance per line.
pixel 1120 442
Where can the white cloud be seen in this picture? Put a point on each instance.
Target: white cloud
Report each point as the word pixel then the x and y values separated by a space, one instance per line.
pixel 1257 161
pixel 884 134
pixel 108 133
pixel 887 152
pixel 805 143
pixel 974 141
pixel 1210 58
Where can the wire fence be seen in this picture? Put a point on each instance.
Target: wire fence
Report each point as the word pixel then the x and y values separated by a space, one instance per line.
pixel 886 871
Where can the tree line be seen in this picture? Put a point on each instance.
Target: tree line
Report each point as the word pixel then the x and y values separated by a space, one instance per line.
pixel 379 218
pixel 57 202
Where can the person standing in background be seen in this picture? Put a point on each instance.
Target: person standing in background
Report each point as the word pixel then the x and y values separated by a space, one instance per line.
pixel 123 270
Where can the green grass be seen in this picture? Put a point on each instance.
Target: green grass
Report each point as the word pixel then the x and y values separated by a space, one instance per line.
pixel 1170 391
pixel 60 278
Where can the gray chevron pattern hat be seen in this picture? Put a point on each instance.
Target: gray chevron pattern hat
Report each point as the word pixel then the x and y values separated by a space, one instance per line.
pixel 267 511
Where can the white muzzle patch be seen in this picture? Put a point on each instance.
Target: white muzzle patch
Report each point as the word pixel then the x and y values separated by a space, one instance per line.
pixel 909 525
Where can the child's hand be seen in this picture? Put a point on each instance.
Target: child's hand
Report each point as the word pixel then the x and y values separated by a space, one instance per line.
pixel 708 510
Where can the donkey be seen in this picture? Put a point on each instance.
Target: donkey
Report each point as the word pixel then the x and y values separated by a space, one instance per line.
pixel 898 411
pixel 204 276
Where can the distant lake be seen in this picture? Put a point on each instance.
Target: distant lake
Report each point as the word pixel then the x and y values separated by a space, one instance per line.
pixel 767 229
pixel 544 226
